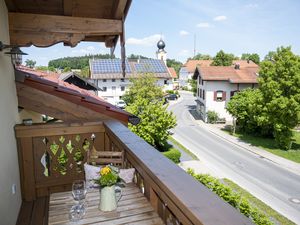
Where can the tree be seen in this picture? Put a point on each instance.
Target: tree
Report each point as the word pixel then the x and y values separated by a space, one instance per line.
pixel 78 62
pixel 280 86
pixel 175 64
pixel 222 59
pixel 85 72
pixel 193 84
pixel 247 108
pixel 274 108
pixel 133 56
pixel 253 57
pixel 30 63
pixel 201 57
pixel 269 56
pixel 67 69
pixel 144 99
pixel 144 87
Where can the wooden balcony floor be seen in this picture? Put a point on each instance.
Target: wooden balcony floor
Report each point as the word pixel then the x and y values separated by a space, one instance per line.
pixel 133 208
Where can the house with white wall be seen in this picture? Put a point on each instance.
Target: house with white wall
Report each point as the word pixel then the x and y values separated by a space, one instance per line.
pixel 187 70
pixel 107 75
pixel 174 78
pixel 217 84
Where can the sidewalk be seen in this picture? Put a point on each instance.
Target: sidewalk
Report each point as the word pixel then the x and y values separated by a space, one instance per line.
pixel 287 164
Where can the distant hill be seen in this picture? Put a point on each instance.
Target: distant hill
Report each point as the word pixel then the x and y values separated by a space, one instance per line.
pixel 78 62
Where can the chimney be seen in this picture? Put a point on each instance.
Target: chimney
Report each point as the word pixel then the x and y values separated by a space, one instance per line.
pixel 237 66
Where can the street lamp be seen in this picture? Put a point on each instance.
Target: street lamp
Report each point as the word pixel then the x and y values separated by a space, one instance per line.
pixel 15 53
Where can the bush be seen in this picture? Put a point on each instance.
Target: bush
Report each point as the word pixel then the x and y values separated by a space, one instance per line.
pixel 173 154
pixel 234 199
pixel 212 116
pixel 170 92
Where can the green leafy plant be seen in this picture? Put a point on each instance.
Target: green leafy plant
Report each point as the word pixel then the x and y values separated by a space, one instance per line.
pixel 223 59
pixel 274 107
pixel 212 116
pixel 145 100
pixel 173 154
pixel 108 177
pixel 234 199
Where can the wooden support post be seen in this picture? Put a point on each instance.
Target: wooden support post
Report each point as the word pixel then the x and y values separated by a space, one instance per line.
pixel 123 53
pixel 28 178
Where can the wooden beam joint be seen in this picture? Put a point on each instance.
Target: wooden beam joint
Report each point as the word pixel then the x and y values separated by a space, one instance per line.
pixel 46 30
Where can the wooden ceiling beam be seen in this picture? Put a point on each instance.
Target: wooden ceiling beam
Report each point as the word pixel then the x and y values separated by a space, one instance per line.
pixel 63 24
pixel 46 30
pixel 118 8
pixel 68 7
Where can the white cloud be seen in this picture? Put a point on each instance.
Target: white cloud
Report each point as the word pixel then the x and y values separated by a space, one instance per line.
pixel 183 33
pixel 203 25
pixel 184 52
pixel 86 51
pixel 251 5
pixel 220 18
pixel 146 41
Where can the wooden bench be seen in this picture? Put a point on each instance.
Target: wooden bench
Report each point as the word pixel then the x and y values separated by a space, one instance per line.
pixel 115 158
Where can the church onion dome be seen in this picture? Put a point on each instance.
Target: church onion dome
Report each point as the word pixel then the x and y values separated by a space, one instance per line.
pixel 161 44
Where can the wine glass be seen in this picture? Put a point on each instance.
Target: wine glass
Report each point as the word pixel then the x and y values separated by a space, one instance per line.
pixel 79 192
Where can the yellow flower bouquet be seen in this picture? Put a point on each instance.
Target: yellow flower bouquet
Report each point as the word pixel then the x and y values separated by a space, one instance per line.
pixel 108 176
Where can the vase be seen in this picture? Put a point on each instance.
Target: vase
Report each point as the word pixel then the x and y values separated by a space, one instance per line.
pixel 109 198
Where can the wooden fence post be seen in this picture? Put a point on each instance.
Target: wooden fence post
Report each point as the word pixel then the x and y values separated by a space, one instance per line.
pixel 27 166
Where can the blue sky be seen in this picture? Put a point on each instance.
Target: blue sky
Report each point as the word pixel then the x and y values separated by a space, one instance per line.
pixel 236 26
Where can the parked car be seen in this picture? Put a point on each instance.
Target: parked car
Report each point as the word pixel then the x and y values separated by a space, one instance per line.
pixel 121 104
pixel 172 97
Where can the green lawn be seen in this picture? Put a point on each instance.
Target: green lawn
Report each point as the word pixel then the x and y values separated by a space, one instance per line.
pixel 270 145
pixel 275 217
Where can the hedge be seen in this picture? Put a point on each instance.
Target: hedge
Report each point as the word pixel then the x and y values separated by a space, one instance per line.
pixel 234 199
pixel 173 154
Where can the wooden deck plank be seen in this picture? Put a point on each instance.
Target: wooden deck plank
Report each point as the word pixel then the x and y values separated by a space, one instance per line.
pixel 133 207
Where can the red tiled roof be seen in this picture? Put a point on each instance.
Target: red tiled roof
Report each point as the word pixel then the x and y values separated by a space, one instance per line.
pixel 172 72
pixel 68 91
pixel 192 64
pixel 218 73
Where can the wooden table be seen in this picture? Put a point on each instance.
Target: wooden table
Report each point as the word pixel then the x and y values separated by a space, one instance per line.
pixel 133 208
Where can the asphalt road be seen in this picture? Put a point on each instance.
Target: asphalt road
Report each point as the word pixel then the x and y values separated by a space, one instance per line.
pixel 267 181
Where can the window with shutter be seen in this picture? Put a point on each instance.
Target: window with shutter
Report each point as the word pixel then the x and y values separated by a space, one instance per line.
pixel 220 96
pixel 232 93
pixel 203 95
pixel 224 96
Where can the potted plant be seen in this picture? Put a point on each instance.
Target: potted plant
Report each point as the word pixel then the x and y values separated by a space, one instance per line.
pixel 108 179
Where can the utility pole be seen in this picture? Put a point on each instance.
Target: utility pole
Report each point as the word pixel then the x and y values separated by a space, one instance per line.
pixel 194 45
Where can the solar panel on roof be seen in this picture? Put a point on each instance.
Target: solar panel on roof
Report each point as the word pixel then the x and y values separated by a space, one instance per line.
pixel 99 66
pixel 151 65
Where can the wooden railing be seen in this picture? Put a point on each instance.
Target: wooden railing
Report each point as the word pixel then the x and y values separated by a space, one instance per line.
pixel 51 157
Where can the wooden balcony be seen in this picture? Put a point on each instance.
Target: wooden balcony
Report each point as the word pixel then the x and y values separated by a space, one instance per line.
pixel 174 195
